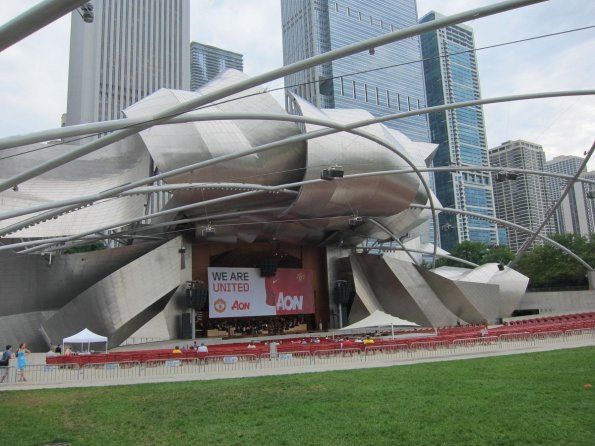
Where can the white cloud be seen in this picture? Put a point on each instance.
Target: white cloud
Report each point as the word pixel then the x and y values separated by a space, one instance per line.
pixel 34 72
pixel 561 125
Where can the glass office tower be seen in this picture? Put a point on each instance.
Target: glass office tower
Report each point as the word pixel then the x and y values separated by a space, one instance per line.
pixel 451 75
pixel 206 62
pixel 382 81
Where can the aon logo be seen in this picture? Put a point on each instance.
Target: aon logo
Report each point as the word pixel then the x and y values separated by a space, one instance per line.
pixel 289 303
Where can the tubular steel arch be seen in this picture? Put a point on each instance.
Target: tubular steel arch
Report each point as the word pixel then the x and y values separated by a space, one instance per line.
pixel 512 225
pixel 255 81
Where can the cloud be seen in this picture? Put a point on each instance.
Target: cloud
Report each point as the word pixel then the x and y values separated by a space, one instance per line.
pixel 252 28
pixel 33 76
pixel 564 62
pixel 34 72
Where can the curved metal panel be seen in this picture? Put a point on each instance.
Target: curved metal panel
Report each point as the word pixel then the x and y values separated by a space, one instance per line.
pixel 30 283
pixel 18 328
pixel 438 298
pixel 117 164
pixel 109 306
pixel 178 145
pixel 511 286
pixel 382 195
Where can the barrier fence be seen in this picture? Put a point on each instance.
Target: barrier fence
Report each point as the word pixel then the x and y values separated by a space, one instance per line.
pixel 108 371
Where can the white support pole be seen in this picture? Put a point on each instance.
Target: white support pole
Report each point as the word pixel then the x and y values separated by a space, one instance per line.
pixel 34 19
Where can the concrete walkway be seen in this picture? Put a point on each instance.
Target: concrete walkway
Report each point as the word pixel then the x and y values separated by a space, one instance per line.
pixel 319 366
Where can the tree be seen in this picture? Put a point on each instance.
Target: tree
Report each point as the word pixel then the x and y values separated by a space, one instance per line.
pixel 550 267
pixel 479 253
pixel 97 246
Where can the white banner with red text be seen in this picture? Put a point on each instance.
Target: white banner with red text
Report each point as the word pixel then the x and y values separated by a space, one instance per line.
pixel 242 292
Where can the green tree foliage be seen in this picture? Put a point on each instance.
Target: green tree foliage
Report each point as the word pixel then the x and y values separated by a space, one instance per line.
pixel 479 253
pixel 97 246
pixel 549 267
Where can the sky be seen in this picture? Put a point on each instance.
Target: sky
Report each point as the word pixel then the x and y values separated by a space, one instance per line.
pixel 34 72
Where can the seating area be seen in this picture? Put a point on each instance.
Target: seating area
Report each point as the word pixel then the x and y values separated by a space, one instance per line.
pixel 564 323
pixel 565 318
pixel 312 345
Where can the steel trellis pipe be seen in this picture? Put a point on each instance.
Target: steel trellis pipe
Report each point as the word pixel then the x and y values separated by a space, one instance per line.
pixel 164 115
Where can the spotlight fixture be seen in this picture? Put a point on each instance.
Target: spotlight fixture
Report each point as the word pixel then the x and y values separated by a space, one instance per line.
pixel 182 250
pixel 208 231
pixel 356 221
pixel 87 12
pixel 372 51
pixel 503 176
pixel 501 266
pixel 15 188
pixel 332 172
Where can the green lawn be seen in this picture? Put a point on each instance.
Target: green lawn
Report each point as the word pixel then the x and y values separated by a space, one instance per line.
pixel 533 399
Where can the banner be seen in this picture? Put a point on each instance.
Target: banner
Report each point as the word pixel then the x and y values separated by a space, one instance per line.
pixel 242 292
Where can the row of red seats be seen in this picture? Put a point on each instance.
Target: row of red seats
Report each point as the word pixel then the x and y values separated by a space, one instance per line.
pixel 448 334
pixel 555 319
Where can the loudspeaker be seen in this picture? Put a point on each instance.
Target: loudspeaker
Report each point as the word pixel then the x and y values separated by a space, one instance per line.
pixel 189 296
pixel 202 297
pixel 342 292
pixel 186 326
pixel 268 268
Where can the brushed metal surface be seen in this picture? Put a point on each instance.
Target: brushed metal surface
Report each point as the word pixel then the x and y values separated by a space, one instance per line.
pixel 174 146
pixel 30 283
pixel 439 297
pixel 117 164
pixel 118 305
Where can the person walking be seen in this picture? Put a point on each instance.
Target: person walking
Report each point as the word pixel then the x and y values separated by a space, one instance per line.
pixel 5 362
pixel 22 353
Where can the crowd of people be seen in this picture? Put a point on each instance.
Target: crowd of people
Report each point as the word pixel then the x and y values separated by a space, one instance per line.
pixel 255 326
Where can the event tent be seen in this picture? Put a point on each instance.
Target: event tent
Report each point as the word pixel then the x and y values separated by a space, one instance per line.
pixel 85 336
pixel 380 319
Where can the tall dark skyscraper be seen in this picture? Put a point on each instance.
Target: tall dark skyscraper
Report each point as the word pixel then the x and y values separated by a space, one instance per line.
pixel 207 61
pixel 451 75
pixel 382 81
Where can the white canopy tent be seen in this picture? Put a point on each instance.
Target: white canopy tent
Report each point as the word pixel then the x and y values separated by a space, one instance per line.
pixel 380 319
pixel 85 336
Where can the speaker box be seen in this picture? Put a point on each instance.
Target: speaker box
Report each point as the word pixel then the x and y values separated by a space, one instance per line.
pixel 268 268
pixel 342 292
pixel 186 326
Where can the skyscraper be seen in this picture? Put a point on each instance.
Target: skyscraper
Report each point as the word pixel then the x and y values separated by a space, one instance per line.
pixel 522 200
pixel 575 212
pixel 132 48
pixel 451 75
pixel 381 81
pixel 207 61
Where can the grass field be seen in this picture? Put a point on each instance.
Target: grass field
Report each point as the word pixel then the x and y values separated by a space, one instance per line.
pixel 533 399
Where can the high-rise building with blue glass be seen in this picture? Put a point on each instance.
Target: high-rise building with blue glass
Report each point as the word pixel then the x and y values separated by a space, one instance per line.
pixel 382 81
pixel 207 61
pixel 451 75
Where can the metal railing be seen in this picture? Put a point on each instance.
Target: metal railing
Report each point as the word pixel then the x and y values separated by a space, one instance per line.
pixel 522 339
pixel 114 371
pixel 388 351
pixel 477 343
